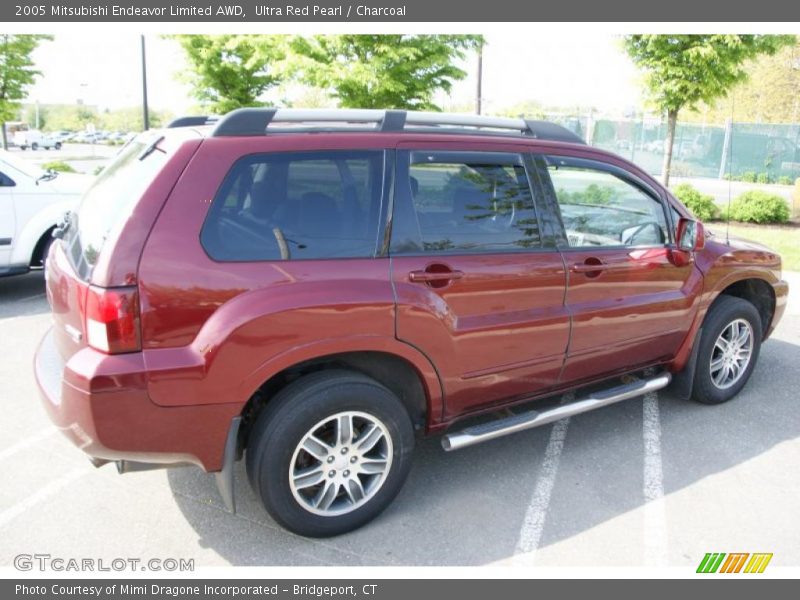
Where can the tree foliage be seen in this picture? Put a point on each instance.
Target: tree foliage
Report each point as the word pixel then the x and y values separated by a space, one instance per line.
pixel 771 93
pixel 232 71
pixel 17 72
pixel 681 71
pixel 382 71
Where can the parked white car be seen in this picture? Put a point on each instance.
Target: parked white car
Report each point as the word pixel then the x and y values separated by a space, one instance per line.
pixel 35 140
pixel 32 203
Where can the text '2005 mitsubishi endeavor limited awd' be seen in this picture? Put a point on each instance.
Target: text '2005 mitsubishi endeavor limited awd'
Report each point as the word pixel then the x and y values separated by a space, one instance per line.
pixel 308 288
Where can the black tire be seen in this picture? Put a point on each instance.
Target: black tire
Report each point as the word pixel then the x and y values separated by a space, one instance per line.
pixel 46 243
pixel 291 415
pixel 724 311
pixel 57 146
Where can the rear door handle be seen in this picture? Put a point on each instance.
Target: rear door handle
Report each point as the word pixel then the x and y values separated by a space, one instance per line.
pixel 427 276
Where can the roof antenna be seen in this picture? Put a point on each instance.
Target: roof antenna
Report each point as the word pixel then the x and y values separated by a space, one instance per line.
pixel 730 174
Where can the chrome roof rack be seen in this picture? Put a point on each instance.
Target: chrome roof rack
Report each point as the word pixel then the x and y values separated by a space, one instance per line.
pixel 260 121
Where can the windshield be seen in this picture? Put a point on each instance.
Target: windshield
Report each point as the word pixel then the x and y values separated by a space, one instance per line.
pixel 108 203
pixel 20 164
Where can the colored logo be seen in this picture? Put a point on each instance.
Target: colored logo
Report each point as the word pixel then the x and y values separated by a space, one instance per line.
pixel 736 562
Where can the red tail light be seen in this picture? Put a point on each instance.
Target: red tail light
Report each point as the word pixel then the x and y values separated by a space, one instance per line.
pixel 112 319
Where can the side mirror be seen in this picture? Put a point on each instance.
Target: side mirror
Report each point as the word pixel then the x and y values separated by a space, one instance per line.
pixel 691 235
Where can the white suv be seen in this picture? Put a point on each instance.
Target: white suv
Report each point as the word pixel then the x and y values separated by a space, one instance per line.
pixel 32 202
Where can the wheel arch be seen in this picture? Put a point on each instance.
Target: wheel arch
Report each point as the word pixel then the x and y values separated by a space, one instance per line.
pixel 759 292
pixel 407 376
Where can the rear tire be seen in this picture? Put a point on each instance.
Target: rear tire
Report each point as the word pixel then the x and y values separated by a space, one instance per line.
pixel 728 350
pixel 360 439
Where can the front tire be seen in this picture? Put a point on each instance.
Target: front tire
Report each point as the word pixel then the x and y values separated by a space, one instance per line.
pixel 728 350
pixel 329 453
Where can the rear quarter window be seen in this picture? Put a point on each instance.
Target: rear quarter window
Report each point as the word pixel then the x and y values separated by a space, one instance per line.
pixel 107 204
pixel 292 206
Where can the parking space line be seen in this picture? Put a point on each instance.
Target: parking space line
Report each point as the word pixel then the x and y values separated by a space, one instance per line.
pixel 530 534
pixel 40 495
pixel 29 441
pixel 655 518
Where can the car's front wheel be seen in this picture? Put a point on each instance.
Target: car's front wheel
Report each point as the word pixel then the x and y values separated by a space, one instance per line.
pixel 329 453
pixel 728 350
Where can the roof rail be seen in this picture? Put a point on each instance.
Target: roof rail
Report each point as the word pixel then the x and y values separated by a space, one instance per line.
pixel 257 121
pixel 192 121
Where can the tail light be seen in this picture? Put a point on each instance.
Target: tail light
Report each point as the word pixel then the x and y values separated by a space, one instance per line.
pixel 112 319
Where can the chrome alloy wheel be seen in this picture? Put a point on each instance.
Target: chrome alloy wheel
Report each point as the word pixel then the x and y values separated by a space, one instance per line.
pixel 731 353
pixel 340 463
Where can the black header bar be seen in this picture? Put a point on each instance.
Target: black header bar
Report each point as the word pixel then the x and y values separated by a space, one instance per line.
pixel 438 11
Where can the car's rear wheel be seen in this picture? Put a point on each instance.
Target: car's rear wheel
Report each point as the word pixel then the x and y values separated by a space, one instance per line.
pixel 728 350
pixel 329 453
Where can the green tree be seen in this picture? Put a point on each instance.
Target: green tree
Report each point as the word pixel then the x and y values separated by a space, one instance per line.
pixel 232 71
pixel 771 93
pixel 17 73
pixel 682 71
pixel 382 71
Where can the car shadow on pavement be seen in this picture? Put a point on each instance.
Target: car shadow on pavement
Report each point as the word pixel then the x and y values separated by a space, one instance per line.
pixel 468 507
pixel 23 295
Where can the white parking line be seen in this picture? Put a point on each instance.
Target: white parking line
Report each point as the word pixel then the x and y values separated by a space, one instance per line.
pixel 655 517
pixel 530 534
pixel 40 495
pixel 29 441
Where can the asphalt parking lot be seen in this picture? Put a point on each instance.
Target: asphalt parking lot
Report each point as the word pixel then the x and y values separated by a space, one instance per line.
pixel 647 482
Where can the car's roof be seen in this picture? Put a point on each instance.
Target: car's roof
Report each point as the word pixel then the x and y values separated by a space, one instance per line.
pixel 265 121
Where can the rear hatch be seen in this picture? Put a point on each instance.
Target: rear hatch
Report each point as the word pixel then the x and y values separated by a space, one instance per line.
pixel 85 313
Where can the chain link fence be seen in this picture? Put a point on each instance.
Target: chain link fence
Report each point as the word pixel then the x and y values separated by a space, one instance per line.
pixel 758 153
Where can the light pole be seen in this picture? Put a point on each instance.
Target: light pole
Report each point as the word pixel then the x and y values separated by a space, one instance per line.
pixel 145 112
pixel 479 89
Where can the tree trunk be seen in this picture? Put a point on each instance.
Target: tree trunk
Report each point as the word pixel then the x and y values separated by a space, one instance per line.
pixel 5 137
pixel 672 121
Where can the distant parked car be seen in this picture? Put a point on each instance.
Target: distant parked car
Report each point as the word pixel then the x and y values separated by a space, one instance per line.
pixel 32 202
pixel 654 146
pixel 35 139
pixel 85 137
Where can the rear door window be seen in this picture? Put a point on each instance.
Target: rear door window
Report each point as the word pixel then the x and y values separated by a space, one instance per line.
pixel 297 206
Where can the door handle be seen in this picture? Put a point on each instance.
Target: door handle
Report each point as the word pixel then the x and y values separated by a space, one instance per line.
pixel 589 267
pixel 434 276
pixel 594 266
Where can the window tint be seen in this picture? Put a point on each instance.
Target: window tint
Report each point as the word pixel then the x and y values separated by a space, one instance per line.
pixel 469 202
pixel 600 209
pixel 295 206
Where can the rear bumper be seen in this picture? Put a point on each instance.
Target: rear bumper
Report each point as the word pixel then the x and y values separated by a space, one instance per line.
pixel 100 403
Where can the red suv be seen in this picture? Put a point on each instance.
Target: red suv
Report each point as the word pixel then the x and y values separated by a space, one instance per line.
pixel 311 289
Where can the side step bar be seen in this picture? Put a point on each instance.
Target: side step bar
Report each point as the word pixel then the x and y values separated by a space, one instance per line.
pixel 528 420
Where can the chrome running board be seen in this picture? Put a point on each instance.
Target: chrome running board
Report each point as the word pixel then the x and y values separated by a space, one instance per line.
pixel 528 420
